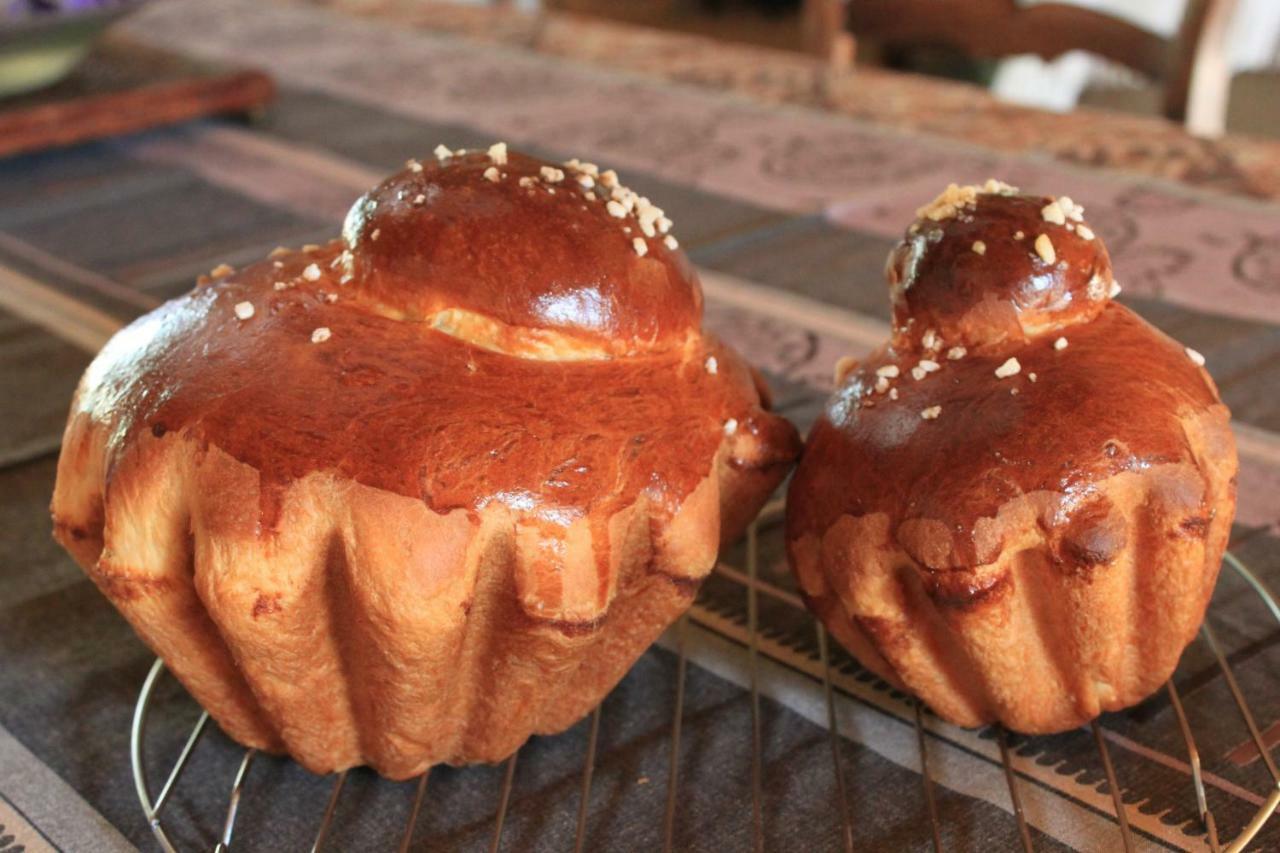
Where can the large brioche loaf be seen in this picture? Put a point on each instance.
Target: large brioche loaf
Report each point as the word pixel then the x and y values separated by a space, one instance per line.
pixel 414 495
pixel 1016 509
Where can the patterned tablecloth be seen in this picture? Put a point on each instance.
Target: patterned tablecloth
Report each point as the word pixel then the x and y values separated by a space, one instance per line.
pixel 789 213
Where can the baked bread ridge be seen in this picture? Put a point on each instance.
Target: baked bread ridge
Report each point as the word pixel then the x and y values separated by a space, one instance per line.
pixel 414 540
pixel 1042 545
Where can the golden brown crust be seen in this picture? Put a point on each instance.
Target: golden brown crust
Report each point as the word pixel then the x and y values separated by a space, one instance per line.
pixel 524 250
pixel 456 520
pixel 382 398
pixel 1017 508
pixel 1000 269
pixel 1117 398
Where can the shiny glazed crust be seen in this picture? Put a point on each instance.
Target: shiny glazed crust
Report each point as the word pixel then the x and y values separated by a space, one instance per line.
pixel 415 495
pixel 1017 508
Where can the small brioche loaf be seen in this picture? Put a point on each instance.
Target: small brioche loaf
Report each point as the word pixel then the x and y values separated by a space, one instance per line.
pixel 1015 509
pixel 414 495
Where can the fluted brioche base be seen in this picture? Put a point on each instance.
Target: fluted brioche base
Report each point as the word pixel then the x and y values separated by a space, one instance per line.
pixel 418 493
pixel 367 628
pixel 1070 620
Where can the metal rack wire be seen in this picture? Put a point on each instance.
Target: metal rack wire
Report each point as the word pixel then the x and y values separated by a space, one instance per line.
pixel 754 586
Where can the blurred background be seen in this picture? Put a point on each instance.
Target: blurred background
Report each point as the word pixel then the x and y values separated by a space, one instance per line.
pixel 1212 65
pixel 1130 55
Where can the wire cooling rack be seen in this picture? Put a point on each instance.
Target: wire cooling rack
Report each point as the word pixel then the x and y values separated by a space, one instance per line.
pixel 830 681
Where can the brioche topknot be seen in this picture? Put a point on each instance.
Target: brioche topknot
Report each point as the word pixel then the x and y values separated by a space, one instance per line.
pixel 983 266
pixel 564 255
